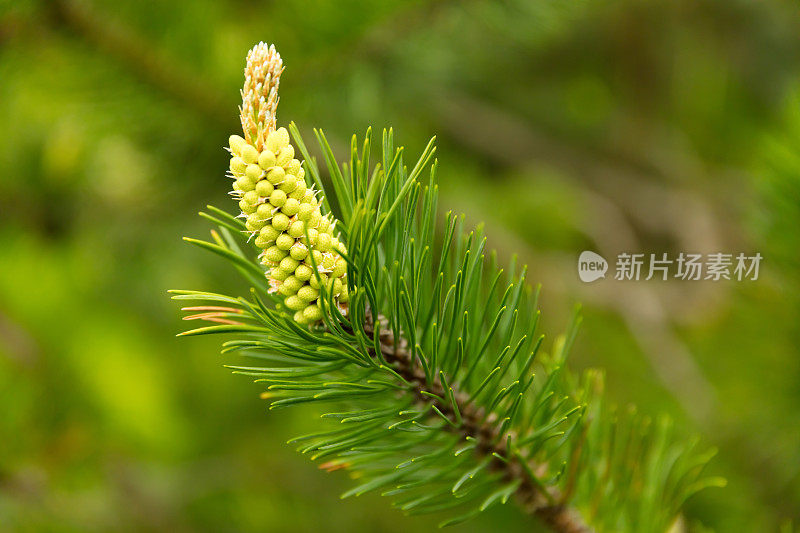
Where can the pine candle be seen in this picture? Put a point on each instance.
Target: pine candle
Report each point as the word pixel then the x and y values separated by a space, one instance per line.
pixel 282 211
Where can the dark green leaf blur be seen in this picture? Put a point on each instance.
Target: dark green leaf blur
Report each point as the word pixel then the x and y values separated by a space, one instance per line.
pixel 627 125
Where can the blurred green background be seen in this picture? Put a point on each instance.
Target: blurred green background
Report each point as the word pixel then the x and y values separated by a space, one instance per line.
pixel 625 125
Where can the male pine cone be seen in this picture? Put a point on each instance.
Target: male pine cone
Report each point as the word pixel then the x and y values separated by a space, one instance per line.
pixel 282 211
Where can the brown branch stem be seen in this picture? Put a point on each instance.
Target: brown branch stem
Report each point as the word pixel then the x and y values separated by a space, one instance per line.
pixel 547 504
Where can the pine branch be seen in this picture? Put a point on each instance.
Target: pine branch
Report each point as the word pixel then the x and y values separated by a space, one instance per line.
pixel 448 404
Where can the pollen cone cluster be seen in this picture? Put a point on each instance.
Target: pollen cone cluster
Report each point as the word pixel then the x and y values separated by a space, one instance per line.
pixel 282 211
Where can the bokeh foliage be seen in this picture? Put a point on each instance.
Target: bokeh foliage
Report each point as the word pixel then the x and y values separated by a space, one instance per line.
pixel 625 125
